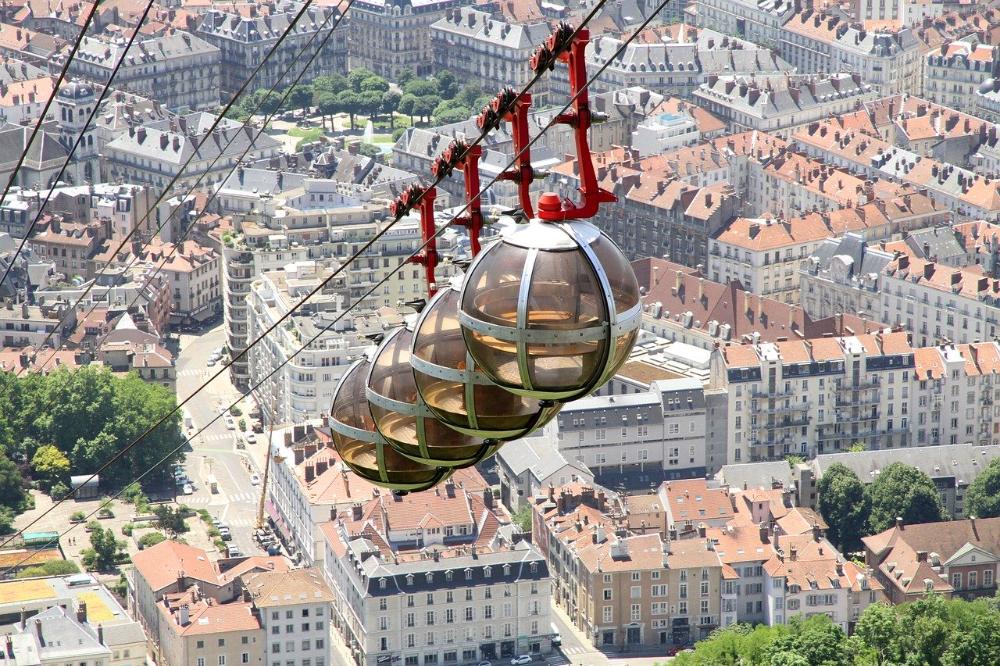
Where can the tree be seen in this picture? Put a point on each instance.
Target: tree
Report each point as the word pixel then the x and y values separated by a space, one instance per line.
pixel 151 539
pixel 844 506
pixel 905 492
pixel 983 497
pixel 523 518
pixel 405 77
pixel 349 103
pixel 424 106
pixel 469 94
pixel 357 76
pixel 105 547
pixel 451 111
pixel 299 98
pixel 857 447
pixel 170 519
pixel 369 150
pixel 421 88
pixel 406 104
pixel 374 83
pixel 369 102
pixel 50 465
pixel 390 104
pixel 447 84
pixel 12 495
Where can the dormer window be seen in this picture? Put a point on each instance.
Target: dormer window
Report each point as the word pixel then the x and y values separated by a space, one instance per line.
pixel 506 570
pixel 533 567
pixel 468 574
pixel 448 575
pixel 486 572
pixel 430 577
pixel 409 579
pixel 381 583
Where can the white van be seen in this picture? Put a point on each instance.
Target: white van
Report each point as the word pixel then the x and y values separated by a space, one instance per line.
pixel 556 637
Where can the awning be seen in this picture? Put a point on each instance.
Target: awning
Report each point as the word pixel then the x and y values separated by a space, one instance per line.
pixel 279 522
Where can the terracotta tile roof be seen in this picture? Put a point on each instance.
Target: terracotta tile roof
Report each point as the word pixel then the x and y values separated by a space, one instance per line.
pixel 281 588
pixel 740 542
pixel 691 500
pixel 643 552
pixel 208 617
pixel 692 554
pixel 163 563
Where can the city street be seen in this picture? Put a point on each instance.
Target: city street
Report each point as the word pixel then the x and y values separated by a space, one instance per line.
pixel 214 450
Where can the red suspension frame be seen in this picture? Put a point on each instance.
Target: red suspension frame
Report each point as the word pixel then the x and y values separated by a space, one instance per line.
pixel 562 46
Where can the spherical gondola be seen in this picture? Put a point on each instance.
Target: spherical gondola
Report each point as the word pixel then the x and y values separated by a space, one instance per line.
pixel 404 420
pixel 551 310
pixel 454 390
pixel 363 449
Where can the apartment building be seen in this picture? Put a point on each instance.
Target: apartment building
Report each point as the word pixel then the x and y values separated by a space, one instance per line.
pixel 674 66
pixel 938 302
pixel 969 195
pixel 528 465
pixel 637 439
pixel 303 387
pixel 821 396
pixel 439 577
pixel 477 46
pixel 177 69
pixel 21 102
pixel 777 103
pixel 389 38
pixel 888 57
pixel 310 485
pixel 767 254
pixel 844 275
pixel 24 325
pixel 807 576
pixel 294 610
pixel 623 589
pixel 244 39
pixel 952 467
pixel 673 124
pixel 685 307
pixel 953 558
pixel 755 22
pixel 956 70
pixel 79 613
pixel 199 612
pixel 71 246
pixel 193 273
pixel 153 154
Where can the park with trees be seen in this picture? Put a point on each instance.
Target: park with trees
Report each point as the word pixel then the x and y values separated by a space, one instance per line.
pixel 932 631
pixel 78 420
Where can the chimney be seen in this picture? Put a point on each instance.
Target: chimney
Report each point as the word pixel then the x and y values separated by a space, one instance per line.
pixel 701 289
pixel 321 466
pixel 38 630
pixel 163 141
pixel 356 511
pixel 702 530
pixel 310 473
pixel 899 522
pixel 299 454
pixel 81 612
pixel 764 533
pixel 100 634
pixel 903 262
pixel 928 271
pixel 184 615
pixel 488 497
pixel 921 556
pixel 792 553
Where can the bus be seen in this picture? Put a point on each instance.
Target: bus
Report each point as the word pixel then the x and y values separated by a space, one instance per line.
pixel 213 484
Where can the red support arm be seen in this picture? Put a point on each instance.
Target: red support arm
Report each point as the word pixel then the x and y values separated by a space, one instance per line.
pixel 513 108
pixel 562 46
pixel 415 195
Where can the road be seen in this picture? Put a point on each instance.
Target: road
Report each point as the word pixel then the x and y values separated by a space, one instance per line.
pixel 214 450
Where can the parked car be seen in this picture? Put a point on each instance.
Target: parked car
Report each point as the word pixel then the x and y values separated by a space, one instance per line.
pixel 254 479
pixel 230 423
pixel 211 362
pixel 251 438
pixel 217 522
pixel 187 489
pixel 225 533
pixel 522 659
pixel 233 551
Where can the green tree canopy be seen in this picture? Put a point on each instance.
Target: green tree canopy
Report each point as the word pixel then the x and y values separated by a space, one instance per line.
pixel 300 97
pixel 349 102
pixel 983 497
pixel 902 491
pixel 357 76
pixel 50 464
pixel 447 84
pixel 105 547
pixel 12 494
pixel 421 88
pixel 844 506
pixel 929 632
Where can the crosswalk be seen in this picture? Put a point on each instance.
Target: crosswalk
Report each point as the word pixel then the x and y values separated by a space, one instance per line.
pixel 221 498
pixel 578 649
pixel 190 372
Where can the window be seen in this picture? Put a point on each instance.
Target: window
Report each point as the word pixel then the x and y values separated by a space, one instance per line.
pixel 306 645
pixel 222 660
pixel 275 649
pixel 607 594
pixel 607 614
pixel 200 644
pixel 988 578
pixel 201 661
pixel 245 658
